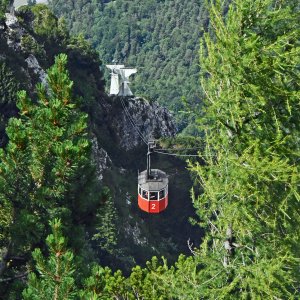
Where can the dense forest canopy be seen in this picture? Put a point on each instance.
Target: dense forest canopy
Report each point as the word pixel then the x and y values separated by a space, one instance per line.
pixel 159 38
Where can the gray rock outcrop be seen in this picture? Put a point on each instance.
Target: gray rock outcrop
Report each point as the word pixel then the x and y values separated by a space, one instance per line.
pixel 100 159
pixel 141 120
pixel 34 65
pixel 14 34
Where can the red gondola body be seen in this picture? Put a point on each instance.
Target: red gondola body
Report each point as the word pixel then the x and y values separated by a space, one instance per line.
pixel 153 191
pixel 153 207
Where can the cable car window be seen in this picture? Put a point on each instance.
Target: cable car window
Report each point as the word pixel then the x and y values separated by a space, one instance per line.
pixel 145 194
pixel 153 195
pixel 161 194
pixel 140 191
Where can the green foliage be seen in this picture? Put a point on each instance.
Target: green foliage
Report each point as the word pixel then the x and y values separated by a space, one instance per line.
pixel 250 178
pixel 149 283
pixel 181 142
pixel 103 284
pixel 106 235
pixel 8 97
pixel 82 45
pixel 250 204
pixel 8 87
pixel 44 26
pixel 64 128
pixel 47 36
pixel 158 37
pixel 141 284
pixel 47 150
pixel 3 9
pixel 30 45
pixel 55 278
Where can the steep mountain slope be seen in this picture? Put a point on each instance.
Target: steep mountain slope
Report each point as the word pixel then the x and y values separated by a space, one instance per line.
pixel 158 37
pixel 122 235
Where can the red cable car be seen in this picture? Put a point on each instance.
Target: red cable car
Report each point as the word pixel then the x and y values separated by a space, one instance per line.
pixel 153 191
pixel 152 187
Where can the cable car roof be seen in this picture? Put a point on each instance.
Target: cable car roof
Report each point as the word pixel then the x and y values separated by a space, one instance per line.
pixel 156 182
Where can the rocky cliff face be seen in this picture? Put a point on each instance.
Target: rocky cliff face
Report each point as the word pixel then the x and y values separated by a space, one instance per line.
pixel 14 34
pixel 141 120
pixel 132 121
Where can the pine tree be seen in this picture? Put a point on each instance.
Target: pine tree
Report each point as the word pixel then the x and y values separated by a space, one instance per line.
pixel 55 279
pixel 39 169
pixel 104 284
pixel 106 235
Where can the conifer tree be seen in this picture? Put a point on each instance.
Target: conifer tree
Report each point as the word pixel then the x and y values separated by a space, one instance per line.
pixel 40 169
pixel 55 278
pixel 250 204
pixel 106 235
pixel 250 179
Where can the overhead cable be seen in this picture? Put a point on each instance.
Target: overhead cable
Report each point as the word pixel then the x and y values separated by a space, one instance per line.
pixel 127 113
pixel 180 149
pixel 174 154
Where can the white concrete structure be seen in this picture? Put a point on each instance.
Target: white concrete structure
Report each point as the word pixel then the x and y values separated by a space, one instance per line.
pixel 120 80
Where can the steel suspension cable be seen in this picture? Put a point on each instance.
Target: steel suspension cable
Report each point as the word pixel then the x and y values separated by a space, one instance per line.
pixel 127 113
pixel 180 149
pixel 133 123
pixel 174 154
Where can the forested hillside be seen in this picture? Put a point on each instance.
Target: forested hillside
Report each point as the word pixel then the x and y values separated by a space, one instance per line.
pixel 69 156
pixel 69 152
pixel 159 38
